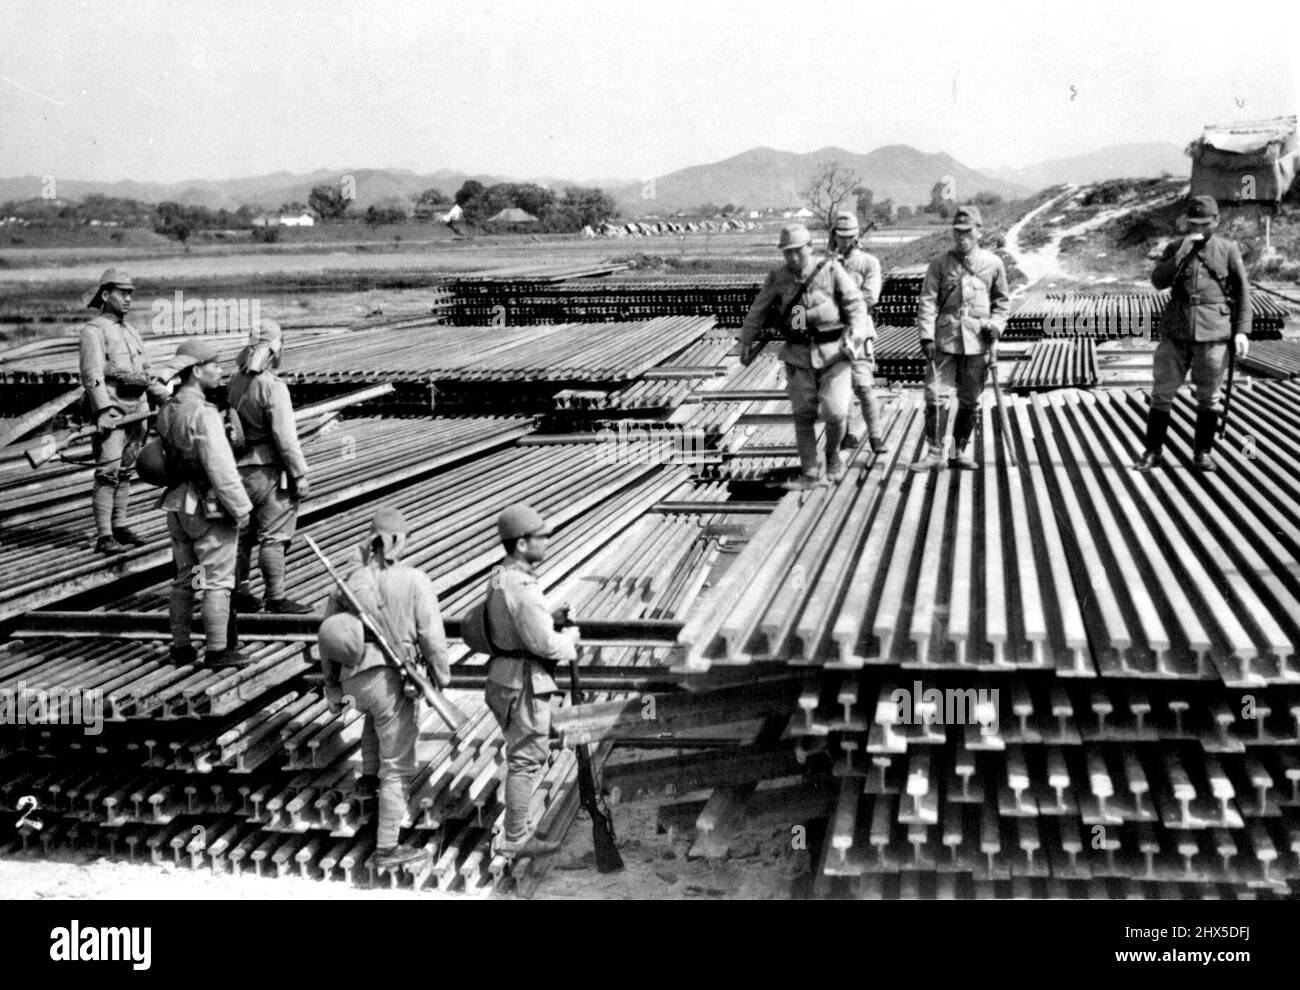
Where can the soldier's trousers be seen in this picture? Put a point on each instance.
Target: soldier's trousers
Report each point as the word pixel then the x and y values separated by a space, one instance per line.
pixel 387 742
pixel 115 453
pixel 272 525
pixel 864 391
pixel 825 394
pixel 1175 358
pixel 203 551
pixel 965 371
pixel 525 720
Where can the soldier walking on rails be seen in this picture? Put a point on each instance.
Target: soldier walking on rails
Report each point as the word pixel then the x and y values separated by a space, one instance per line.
pixel 824 320
pixel 960 316
pixel 1209 302
pixel 865 267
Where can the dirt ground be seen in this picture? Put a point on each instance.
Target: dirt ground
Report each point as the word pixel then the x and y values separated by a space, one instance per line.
pixel 763 864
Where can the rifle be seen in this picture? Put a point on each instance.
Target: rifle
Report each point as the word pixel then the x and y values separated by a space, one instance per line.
pixel 1227 392
pixel 608 859
pixel 412 676
pixel 48 448
pixel 1002 415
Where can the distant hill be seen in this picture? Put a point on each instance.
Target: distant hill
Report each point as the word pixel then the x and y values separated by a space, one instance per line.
pixel 1120 161
pixel 268 191
pixel 765 177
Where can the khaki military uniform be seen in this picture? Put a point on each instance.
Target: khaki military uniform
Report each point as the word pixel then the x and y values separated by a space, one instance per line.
pixel 115 374
pixel 203 540
pixel 866 269
pixel 960 300
pixel 825 330
pixel 521 687
pixel 271 465
pixel 1209 304
pixel 412 622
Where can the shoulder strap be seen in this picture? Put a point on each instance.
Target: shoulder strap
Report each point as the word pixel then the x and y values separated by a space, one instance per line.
pixel 379 611
pixel 788 308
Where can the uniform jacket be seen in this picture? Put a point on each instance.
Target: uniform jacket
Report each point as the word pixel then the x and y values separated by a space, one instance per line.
pixel 114 369
pixel 1198 309
pixel 957 304
pixel 191 429
pixel 519 618
pixel 411 608
pixel 832 302
pixel 266 413
pixel 866 269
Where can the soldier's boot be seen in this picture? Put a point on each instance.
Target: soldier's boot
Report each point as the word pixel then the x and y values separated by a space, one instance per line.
pixel 850 441
pixel 243 599
pixel 271 559
pixel 530 847
pixel 101 503
pixel 182 655
pixel 1157 427
pixel 122 532
pixel 805 440
pixel 1207 421
pixel 871 416
pixel 933 456
pixel 835 460
pixel 395 857
pixel 961 431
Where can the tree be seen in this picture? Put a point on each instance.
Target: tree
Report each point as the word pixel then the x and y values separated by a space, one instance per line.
pixel 388 211
pixel 865 199
pixel 882 212
pixel 985 198
pixel 328 201
pixel 472 189
pixel 175 220
pixel 829 188
pixel 589 205
pixel 431 197
pixel 904 213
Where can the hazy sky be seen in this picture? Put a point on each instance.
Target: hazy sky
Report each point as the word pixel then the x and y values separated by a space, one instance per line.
pixel 159 91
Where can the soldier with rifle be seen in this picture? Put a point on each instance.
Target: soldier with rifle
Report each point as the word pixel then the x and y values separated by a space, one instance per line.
pixel 1209 302
pixel 960 317
pixel 118 382
pixel 377 621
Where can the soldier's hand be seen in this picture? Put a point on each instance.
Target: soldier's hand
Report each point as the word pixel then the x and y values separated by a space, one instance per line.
pixel 334 696
pixel 159 391
pixel 571 634
pixel 992 354
pixel 109 418
pixel 927 349
pixel 302 487
pixel 869 353
pixel 747 354
pixel 1241 344
pixel 241 522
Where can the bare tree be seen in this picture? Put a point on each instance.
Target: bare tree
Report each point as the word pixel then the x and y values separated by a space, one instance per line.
pixel 829 188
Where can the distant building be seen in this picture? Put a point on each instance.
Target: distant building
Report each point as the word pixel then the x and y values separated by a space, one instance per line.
pixel 301 220
pixel 1250 162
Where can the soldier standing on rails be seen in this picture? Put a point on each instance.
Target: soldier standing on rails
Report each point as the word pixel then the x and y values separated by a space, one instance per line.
pixel 961 314
pixel 1209 302
pixel 824 321
pixel 117 378
pixel 272 467
pixel 866 269
pixel 401 600
pixel 206 507
pixel 525 649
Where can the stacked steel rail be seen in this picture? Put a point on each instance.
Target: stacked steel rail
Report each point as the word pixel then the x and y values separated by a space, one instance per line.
pixel 1124 614
pixel 1108 314
pixel 1274 358
pixel 1063 363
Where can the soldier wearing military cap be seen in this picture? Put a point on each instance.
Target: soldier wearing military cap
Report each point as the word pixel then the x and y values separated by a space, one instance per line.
pixel 960 316
pixel 272 465
pixel 525 648
pixel 823 318
pixel 865 267
pixel 1209 303
pixel 118 381
pixel 206 506
pixel 401 600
